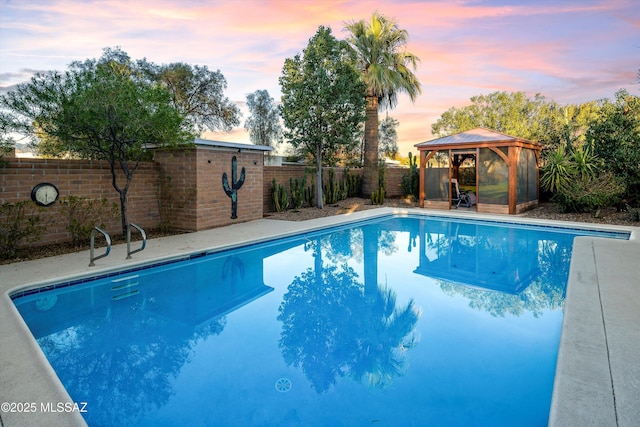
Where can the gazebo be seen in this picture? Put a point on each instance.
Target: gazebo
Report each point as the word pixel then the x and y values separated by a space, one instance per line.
pixel 501 170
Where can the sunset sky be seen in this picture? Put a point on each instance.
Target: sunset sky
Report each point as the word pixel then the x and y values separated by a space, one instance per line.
pixel 569 51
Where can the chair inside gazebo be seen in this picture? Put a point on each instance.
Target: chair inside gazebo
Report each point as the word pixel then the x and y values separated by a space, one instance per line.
pixel 501 171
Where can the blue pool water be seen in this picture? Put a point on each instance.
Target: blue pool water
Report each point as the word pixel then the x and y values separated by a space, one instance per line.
pixel 392 322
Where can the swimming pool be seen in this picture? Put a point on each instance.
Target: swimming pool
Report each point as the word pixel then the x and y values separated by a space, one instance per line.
pixel 402 330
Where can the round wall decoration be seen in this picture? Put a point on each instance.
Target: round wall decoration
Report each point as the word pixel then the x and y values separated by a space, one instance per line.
pixel 45 194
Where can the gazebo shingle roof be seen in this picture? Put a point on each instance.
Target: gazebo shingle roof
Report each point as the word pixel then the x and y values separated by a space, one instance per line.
pixel 477 135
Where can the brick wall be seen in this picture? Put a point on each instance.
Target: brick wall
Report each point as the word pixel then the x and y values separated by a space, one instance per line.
pixel 177 188
pixel 192 195
pixel 214 206
pixel 282 174
pixel 181 189
pixel 81 178
pixel 393 178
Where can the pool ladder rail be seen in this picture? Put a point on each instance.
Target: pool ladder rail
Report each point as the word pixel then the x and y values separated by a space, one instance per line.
pixel 144 240
pixel 93 258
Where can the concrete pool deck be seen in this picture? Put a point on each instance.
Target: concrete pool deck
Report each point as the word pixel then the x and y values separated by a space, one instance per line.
pixel 597 379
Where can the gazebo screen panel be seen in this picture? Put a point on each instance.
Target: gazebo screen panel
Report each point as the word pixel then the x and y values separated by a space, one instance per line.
pixel 532 167
pixel 436 177
pixel 493 178
pixel 522 183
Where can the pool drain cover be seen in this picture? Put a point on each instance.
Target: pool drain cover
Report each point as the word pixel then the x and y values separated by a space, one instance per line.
pixel 283 385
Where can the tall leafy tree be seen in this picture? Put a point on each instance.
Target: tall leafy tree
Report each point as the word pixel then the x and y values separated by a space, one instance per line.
pixel 197 92
pixel 574 123
pixel 615 138
pixel 388 138
pixel 264 122
pixel 514 113
pixel 387 68
pixel 322 103
pixel 98 110
pixel 7 142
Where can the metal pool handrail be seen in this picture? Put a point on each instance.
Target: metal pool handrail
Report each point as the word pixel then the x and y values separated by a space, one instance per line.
pixel 144 240
pixel 93 237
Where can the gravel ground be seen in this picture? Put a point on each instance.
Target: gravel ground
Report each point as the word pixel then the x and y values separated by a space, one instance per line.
pixel 543 211
pixel 606 216
pixel 352 204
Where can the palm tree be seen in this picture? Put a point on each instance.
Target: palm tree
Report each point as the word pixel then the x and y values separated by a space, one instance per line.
pixel 386 67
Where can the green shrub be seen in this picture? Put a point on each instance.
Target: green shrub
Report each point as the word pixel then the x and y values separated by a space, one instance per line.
pixel 576 182
pixel 589 193
pixel 19 223
pixel 84 214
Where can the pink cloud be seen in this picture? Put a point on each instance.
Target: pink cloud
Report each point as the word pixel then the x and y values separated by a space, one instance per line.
pixel 467 48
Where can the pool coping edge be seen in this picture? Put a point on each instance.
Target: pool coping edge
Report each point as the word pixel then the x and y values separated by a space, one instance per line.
pixel 24 352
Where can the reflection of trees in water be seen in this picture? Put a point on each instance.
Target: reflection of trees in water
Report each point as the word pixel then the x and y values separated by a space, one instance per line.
pixel 331 330
pixel 121 366
pixel 312 312
pixel 546 293
pixel 384 334
pixel 533 299
pixel 554 259
pixel 343 245
pixel 386 242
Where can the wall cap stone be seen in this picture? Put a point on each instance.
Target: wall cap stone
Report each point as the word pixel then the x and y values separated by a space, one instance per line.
pixel 234 145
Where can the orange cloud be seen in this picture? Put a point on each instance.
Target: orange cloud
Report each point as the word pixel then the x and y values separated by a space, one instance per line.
pixel 466 47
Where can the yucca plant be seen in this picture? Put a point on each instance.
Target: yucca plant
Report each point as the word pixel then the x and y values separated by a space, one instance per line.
pixel 558 171
pixel 586 163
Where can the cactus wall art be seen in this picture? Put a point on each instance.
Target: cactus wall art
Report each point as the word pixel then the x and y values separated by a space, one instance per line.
pixel 232 190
